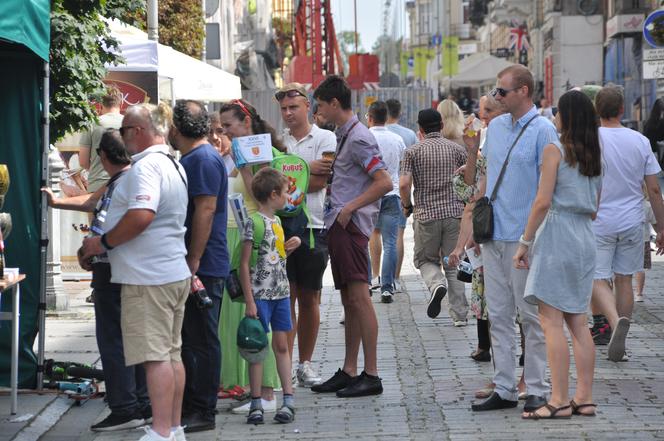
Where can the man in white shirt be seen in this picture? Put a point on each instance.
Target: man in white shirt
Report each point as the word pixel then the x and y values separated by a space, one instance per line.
pixel 145 243
pixel 391 148
pixel 628 161
pixel 306 265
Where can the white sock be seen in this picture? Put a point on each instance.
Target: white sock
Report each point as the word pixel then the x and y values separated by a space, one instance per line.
pixel 175 429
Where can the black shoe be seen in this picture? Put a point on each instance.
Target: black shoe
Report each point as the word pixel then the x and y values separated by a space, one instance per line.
pixel 386 297
pixel 118 422
pixel 434 302
pixel 365 385
pixel 533 402
pixel 338 381
pixel 481 355
pixel 196 422
pixel 494 402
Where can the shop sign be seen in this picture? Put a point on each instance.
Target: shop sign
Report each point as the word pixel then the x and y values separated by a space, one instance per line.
pixel 624 24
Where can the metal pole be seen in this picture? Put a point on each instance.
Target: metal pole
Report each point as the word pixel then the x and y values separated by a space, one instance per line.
pixel 203 49
pixel 13 382
pixel 355 14
pixel 44 230
pixel 153 20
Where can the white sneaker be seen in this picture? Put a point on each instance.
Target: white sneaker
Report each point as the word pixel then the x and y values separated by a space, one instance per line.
pixel 386 297
pixel 460 323
pixel 268 406
pixel 307 376
pixel 151 435
pixel 638 298
pixel 375 283
pixel 179 435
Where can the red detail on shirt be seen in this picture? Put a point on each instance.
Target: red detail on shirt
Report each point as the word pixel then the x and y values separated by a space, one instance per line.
pixel 373 163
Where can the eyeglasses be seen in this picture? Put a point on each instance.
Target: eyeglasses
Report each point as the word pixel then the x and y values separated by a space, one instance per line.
pixel 242 107
pixel 124 129
pixel 289 93
pixel 502 92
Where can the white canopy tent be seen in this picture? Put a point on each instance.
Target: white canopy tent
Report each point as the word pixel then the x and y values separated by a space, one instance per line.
pixel 477 70
pixel 189 78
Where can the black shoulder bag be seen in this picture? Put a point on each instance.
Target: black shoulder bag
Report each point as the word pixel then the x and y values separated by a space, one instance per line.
pixel 483 211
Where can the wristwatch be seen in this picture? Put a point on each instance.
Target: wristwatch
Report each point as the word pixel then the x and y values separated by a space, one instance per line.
pixel 105 244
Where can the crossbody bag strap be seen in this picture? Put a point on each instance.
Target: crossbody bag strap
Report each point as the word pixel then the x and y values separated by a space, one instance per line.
pixel 507 159
pixel 341 146
pixel 177 169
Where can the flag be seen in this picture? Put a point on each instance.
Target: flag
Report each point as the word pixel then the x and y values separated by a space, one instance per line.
pixel 450 56
pixel 519 38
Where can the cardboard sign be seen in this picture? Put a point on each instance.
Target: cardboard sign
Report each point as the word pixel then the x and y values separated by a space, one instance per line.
pixel 253 149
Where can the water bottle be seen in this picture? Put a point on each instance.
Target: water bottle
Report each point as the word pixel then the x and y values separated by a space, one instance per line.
pixel 464 266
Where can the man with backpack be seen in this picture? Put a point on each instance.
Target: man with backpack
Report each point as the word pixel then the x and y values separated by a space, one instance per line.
pixel 307 264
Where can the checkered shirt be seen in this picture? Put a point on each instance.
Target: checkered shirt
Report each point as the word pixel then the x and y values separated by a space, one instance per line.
pixel 432 163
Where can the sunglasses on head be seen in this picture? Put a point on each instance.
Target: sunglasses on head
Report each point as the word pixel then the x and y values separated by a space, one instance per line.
pixel 242 107
pixel 502 92
pixel 289 93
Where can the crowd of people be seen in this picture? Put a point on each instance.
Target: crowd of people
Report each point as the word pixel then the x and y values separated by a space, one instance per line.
pixel 546 208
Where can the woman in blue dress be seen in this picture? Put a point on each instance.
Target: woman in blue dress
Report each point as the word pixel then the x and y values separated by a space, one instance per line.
pixel 562 252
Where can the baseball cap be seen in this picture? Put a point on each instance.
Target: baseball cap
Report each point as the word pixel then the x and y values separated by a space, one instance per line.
pixel 252 340
pixel 429 118
pixel 291 90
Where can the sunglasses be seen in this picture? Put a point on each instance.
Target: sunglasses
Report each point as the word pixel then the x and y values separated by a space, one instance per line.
pixel 124 129
pixel 502 92
pixel 289 93
pixel 242 107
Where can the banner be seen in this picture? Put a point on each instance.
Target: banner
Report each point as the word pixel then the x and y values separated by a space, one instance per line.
pixel 450 56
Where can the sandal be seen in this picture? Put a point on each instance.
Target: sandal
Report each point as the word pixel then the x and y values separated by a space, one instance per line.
pixel 577 407
pixel 552 415
pixel 255 417
pixel 285 415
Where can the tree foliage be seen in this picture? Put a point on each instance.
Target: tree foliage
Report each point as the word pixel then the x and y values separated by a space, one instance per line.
pixel 80 43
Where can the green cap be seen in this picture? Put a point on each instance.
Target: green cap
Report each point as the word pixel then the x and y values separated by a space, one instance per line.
pixel 252 340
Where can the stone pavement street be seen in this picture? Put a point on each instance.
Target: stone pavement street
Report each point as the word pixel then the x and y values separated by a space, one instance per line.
pixel 428 377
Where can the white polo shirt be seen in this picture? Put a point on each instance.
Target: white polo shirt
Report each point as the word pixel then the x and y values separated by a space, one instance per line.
pixel 391 147
pixel 311 148
pixel 157 255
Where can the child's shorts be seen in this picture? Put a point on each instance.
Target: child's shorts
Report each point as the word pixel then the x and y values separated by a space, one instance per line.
pixel 275 314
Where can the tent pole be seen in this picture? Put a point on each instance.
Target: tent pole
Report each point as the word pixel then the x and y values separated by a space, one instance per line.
pixel 44 230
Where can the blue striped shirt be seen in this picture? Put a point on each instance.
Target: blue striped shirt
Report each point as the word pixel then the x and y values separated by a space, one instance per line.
pixel 519 186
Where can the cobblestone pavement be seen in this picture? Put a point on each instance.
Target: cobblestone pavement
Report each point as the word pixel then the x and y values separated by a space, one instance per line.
pixel 428 377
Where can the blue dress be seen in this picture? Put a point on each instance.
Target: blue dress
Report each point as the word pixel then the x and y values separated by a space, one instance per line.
pixel 563 253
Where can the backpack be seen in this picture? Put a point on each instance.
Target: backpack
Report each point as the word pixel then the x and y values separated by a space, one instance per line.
pixel 233 284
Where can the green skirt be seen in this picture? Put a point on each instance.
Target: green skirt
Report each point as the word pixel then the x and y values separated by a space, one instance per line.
pixel 234 368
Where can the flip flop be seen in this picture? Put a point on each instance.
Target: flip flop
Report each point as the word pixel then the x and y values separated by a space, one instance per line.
pixel 552 415
pixel 577 407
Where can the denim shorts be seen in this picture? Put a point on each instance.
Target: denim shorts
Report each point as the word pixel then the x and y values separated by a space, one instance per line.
pixel 275 314
pixel 620 253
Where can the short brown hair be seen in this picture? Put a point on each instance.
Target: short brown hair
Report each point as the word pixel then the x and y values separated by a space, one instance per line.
pixel 265 182
pixel 521 76
pixel 609 101
pixel 113 97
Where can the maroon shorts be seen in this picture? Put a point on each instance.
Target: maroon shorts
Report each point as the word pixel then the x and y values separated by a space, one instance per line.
pixel 349 254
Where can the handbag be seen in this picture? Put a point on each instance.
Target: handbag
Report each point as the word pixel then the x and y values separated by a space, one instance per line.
pixel 483 210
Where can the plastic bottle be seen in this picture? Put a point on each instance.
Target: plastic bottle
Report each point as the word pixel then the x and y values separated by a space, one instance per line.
pixel 464 266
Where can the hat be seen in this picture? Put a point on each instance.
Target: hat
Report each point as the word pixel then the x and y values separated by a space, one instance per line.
pixel 428 118
pixel 252 340
pixel 291 87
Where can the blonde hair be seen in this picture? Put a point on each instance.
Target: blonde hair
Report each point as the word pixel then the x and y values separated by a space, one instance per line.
pixel 453 122
pixel 160 116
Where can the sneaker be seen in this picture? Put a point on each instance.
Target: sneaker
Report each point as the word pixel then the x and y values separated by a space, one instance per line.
pixel 307 376
pixel 601 334
pixel 616 348
pixel 179 435
pixel 268 406
pixel 339 380
pixel 90 298
pixel 460 323
pixel 386 297
pixel 398 285
pixel 151 435
pixel 365 385
pixel 375 283
pixel 196 422
pixel 118 422
pixel 638 298
pixel 433 309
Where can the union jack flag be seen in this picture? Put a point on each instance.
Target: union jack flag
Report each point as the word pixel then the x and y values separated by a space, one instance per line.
pixel 519 38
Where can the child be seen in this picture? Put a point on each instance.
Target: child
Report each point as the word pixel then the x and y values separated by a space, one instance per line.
pixel 265 288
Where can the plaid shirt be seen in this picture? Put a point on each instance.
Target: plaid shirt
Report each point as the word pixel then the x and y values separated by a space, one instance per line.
pixel 432 163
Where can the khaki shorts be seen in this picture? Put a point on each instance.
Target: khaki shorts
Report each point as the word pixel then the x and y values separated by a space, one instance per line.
pixel 151 320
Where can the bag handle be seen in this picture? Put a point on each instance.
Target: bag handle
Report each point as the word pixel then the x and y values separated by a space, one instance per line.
pixel 507 159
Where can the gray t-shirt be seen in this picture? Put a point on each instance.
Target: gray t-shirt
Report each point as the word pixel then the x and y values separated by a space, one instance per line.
pixel 97 176
pixel 355 164
pixel 268 278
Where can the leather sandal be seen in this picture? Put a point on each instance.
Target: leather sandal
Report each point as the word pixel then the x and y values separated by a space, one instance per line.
pixel 576 408
pixel 552 415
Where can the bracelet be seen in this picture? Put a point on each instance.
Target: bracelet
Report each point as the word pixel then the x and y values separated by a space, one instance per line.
pixel 105 244
pixel 523 241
